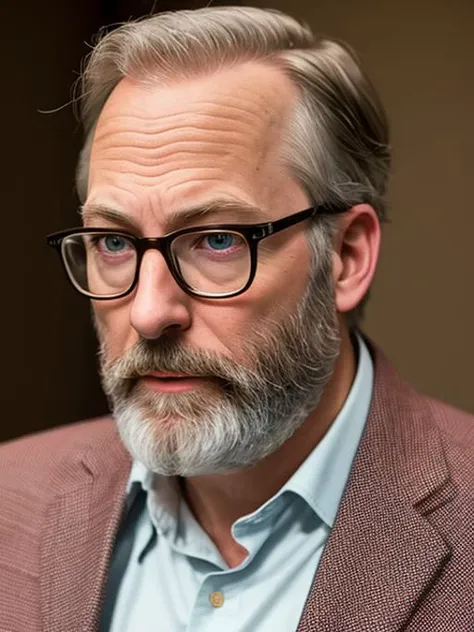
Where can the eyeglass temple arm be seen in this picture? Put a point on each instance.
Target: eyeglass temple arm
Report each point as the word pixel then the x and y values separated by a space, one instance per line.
pixel 286 222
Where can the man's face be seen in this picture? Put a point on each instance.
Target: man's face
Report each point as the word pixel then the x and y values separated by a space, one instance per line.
pixel 157 153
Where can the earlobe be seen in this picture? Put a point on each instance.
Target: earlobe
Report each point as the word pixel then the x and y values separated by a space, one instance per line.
pixel 356 257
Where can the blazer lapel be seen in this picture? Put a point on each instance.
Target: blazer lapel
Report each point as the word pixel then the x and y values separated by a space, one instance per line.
pixel 79 535
pixel 383 554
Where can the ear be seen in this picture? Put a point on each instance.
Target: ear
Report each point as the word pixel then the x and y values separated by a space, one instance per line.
pixel 356 251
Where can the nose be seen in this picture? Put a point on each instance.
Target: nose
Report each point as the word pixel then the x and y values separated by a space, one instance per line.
pixel 159 306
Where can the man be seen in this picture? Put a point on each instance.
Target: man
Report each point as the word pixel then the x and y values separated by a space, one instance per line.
pixel 272 472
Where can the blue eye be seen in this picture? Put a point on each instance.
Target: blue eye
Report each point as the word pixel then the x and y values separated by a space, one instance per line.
pixel 220 241
pixel 114 243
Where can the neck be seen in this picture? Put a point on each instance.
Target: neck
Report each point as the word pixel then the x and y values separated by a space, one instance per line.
pixel 218 500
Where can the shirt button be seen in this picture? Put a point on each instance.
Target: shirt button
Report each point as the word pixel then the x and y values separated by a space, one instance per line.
pixel 216 599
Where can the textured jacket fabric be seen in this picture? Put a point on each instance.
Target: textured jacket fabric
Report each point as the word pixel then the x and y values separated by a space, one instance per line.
pixel 400 555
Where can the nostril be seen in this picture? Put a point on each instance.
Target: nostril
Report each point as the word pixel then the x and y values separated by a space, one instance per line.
pixel 173 329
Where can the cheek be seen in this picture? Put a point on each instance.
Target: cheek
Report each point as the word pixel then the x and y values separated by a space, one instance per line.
pixel 282 275
pixel 113 326
pixel 275 293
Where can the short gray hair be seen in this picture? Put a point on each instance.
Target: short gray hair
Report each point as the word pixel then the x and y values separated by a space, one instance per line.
pixel 337 142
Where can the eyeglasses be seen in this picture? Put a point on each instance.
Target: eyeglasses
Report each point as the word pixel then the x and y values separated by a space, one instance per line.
pixel 216 261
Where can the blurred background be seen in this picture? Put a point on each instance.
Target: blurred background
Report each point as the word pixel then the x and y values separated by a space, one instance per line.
pixel 419 54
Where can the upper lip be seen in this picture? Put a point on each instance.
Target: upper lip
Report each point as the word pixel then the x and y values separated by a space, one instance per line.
pixel 162 374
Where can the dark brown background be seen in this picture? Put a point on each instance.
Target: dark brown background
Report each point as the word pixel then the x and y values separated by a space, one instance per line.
pixel 420 55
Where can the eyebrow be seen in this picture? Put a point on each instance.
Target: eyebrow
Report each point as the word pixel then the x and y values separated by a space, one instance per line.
pixel 178 219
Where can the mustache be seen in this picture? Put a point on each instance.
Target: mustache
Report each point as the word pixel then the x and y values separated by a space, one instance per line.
pixel 170 356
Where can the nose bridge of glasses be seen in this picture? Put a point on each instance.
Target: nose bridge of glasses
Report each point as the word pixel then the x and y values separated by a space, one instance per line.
pixel 152 243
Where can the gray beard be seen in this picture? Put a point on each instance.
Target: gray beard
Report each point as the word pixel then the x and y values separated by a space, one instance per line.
pixel 242 414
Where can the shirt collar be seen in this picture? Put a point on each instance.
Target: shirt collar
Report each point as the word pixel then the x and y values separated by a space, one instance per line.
pixel 139 474
pixel 163 502
pixel 321 478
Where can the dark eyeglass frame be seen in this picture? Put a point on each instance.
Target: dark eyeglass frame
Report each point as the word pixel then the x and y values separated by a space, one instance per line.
pixel 252 233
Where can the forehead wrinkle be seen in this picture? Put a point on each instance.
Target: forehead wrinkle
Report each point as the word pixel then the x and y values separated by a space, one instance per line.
pixel 239 111
pixel 153 166
pixel 162 150
pixel 227 127
pixel 184 156
pixel 223 114
pixel 151 152
pixel 148 171
pixel 109 128
pixel 227 109
pixel 147 180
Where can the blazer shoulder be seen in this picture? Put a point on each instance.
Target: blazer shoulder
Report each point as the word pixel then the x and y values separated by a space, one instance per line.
pixel 44 452
pixel 455 425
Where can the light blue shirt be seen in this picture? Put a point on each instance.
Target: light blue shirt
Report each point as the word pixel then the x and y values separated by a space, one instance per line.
pixel 168 576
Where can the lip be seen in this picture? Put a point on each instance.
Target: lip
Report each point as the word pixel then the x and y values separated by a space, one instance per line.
pixel 171 382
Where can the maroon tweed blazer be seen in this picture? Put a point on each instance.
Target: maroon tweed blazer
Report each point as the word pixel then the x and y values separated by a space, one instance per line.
pixel 400 556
